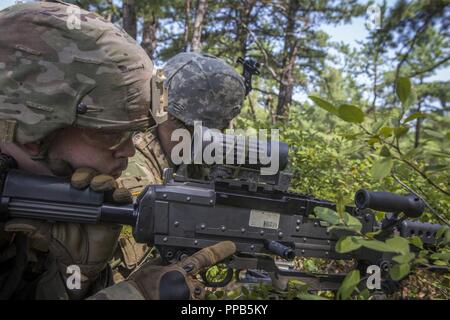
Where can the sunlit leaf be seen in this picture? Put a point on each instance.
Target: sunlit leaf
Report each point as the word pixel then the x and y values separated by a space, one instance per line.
pixel 399 244
pixel 404 258
pixel 348 244
pixel 401 131
pixel 403 89
pixel 327 215
pixel 386 132
pixel 415 115
pixel 382 168
pixel 377 245
pixel 348 285
pixel 399 271
pixel 351 113
pixel 416 241
pixel 324 104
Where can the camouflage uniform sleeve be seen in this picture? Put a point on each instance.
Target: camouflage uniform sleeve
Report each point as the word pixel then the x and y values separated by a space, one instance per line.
pixel 121 291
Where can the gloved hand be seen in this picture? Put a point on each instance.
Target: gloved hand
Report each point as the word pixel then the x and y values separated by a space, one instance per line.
pixel 87 177
pixel 90 247
pixel 177 281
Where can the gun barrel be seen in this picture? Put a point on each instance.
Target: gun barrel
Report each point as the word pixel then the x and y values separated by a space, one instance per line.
pixel 410 205
pixel 53 199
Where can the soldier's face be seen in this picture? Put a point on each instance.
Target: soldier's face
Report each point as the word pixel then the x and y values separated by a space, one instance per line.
pixel 107 153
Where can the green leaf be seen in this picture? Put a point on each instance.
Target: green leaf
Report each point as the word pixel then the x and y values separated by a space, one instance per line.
pixel 324 104
pixel 403 89
pixel 404 258
pixel 220 294
pixel 382 168
pixel 401 131
pixel 348 244
pixel 441 231
pixel 308 296
pixel 350 113
pixel 399 244
pixel 373 140
pixel 447 237
pixel 384 152
pixel 441 256
pixel 386 132
pixel 371 235
pixel 327 215
pixel 415 115
pixel 448 135
pixel 421 261
pixel 439 263
pixel 377 245
pixel 399 271
pixel 365 294
pixel 211 296
pixel 352 222
pixel 416 241
pixel 423 253
pixel 348 285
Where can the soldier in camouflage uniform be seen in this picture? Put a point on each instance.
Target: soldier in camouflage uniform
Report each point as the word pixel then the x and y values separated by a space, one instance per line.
pixel 70 100
pixel 201 88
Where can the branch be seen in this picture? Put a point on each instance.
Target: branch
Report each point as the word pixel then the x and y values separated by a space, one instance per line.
pixel 421 198
pixel 429 68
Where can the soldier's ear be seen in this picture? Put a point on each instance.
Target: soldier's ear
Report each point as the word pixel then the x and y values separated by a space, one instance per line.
pixel 33 148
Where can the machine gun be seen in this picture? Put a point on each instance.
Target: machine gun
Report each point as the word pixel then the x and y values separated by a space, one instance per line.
pixel 184 214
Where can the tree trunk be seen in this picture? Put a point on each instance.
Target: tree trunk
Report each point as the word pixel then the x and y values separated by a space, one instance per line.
pixel 286 87
pixel 187 25
pixel 129 17
pixel 198 24
pixel 418 128
pixel 149 41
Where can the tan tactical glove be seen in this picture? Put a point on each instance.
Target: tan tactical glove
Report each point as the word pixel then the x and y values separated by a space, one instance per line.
pixel 88 246
pixel 178 281
pixel 87 177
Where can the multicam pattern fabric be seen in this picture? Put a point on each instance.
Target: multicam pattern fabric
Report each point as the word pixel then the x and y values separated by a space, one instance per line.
pixel 147 165
pixel 203 88
pixel 54 74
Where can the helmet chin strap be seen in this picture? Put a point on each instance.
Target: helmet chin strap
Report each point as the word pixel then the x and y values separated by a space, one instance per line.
pixel 159 97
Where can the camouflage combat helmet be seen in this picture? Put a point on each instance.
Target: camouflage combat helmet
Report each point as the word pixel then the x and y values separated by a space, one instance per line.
pixel 203 88
pixel 62 66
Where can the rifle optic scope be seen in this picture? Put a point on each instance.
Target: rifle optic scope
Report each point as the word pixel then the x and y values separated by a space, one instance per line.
pixel 410 205
pixel 245 152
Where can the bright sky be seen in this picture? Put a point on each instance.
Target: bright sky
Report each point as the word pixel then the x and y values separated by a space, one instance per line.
pixel 348 33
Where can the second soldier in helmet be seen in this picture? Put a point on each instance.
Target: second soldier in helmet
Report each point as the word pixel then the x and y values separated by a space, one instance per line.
pixel 201 88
